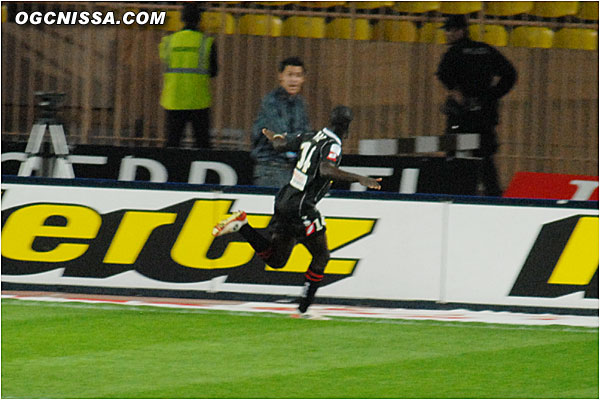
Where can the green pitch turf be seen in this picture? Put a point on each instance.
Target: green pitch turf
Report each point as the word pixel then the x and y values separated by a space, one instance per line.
pixel 71 350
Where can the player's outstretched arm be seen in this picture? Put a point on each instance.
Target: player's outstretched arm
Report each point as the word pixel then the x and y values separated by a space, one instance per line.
pixel 330 171
pixel 277 139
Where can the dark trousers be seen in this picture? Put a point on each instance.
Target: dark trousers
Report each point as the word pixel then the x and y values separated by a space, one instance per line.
pixel 489 177
pixel 176 120
pixel 489 173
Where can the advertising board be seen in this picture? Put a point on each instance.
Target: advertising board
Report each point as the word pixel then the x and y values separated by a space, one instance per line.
pixel 229 168
pixel 536 185
pixel 384 247
pixel 526 255
pixel 160 239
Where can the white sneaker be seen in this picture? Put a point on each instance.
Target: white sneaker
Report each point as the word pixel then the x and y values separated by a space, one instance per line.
pixel 309 314
pixel 231 224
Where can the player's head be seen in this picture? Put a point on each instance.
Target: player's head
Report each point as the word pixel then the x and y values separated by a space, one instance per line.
pixel 339 120
pixel 190 14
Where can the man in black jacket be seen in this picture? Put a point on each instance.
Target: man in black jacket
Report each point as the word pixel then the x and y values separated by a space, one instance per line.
pixel 476 76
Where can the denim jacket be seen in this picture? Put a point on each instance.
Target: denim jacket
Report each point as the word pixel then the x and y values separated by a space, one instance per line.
pixel 280 113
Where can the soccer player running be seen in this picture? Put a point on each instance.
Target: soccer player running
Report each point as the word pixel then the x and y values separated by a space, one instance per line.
pixel 296 219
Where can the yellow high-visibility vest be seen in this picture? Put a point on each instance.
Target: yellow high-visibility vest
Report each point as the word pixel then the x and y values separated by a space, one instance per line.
pixel 186 57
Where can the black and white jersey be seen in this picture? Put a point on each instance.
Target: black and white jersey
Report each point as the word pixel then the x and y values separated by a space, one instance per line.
pixel 307 186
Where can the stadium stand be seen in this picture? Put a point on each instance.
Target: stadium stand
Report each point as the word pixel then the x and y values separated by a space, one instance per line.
pixel 588 10
pixel 532 36
pixel 400 21
pixel 369 5
pixel 173 22
pixel 260 25
pixel 395 31
pixel 275 3
pixel 321 4
pixel 494 35
pixel 557 60
pixel 416 7
pixel 554 9
pixel 304 27
pixel 348 28
pixel 507 8
pixel 460 7
pixel 432 32
pixel 217 22
pixel 574 38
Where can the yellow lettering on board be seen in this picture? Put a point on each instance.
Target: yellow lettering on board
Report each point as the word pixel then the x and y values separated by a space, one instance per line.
pixel 340 231
pixel 27 223
pixel 195 238
pixel 579 260
pixel 133 233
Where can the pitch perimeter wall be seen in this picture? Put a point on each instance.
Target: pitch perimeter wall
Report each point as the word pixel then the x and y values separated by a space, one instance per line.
pixel 391 249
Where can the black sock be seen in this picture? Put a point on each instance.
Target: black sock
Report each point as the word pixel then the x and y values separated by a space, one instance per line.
pixel 312 281
pixel 256 240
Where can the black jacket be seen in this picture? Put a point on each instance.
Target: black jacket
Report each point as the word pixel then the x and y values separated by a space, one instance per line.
pixel 470 67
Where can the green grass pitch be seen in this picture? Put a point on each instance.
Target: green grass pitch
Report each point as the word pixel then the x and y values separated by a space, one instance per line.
pixel 77 350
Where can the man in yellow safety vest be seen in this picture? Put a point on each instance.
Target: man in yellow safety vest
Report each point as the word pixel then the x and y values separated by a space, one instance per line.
pixel 190 60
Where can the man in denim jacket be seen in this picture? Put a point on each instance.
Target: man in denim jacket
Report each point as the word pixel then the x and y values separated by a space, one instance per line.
pixel 281 110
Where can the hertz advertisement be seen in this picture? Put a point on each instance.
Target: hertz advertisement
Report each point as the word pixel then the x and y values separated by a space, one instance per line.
pixel 396 248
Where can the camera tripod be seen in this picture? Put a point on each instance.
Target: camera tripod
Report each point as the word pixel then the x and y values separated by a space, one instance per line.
pixel 62 166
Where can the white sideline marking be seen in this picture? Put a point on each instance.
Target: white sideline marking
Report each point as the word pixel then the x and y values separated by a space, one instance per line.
pixel 459 315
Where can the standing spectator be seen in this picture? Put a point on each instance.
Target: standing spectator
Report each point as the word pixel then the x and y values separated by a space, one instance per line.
pixel 282 110
pixel 190 60
pixel 476 76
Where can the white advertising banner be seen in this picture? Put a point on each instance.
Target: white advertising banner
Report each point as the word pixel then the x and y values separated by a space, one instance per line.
pixel 389 248
pixel 160 239
pixel 489 247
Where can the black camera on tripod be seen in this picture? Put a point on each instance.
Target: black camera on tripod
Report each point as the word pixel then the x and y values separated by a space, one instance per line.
pixel 48 105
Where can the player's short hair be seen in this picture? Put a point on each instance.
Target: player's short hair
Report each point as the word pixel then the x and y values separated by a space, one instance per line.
pixel 294 61
pixel 341 115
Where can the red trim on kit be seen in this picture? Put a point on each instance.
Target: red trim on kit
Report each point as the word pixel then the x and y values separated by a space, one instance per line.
pixel 313 276
pixel 310 229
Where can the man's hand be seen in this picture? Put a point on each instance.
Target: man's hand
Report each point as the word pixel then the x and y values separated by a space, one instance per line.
pixel 329 170
pixel 276 139
pixel 371 183
pixel 271 135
